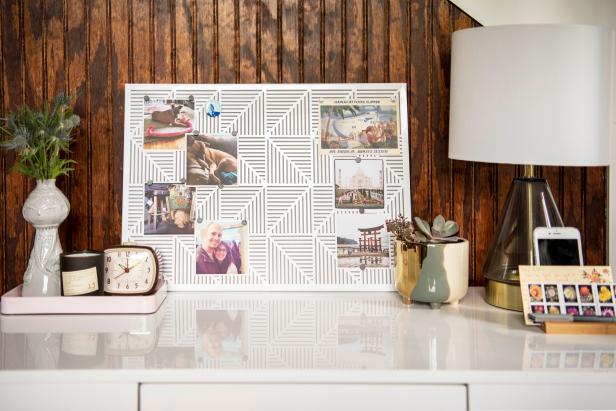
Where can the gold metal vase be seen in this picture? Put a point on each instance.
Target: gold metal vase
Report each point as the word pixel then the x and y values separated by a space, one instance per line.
pixel 408 268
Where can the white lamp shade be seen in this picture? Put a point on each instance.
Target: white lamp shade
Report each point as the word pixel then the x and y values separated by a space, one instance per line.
pixel 531 94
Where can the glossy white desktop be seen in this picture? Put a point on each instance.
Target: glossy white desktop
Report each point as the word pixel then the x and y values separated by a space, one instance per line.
pixel 300 351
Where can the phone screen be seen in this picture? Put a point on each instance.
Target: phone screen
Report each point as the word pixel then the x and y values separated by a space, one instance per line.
pixel 558 252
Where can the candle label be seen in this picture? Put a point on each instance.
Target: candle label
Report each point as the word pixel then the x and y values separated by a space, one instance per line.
pixel 80 282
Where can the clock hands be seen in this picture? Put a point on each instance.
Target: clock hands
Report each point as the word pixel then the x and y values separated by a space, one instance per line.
pixel 127 268
pixel 134 265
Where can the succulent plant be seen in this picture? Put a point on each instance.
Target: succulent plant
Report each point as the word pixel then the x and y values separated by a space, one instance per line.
pixel 442 231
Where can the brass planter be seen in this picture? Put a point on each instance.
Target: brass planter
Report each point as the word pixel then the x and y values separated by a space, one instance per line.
pixel 408 268
pixel 432 273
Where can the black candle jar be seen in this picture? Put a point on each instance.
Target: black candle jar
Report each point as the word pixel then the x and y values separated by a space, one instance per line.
pixel 81 273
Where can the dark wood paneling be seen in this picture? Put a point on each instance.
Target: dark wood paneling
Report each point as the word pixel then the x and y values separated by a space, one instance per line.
pixel 420 103
pixel 92 48
pixel 14 239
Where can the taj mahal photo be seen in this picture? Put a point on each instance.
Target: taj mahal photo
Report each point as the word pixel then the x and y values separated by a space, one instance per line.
pixel 359 185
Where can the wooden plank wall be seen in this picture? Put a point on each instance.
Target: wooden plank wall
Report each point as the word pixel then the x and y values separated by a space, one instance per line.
pixel 92 48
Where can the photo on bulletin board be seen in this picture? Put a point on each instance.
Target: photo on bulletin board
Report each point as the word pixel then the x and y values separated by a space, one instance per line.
pixel 359 184
pixel 221 248
pixel 166 123
pixel 169 209
pixel 211 160
pixel 359 126
pixel 362 241
pixel 572 290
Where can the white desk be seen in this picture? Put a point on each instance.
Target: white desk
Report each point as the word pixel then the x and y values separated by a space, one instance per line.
pixel 283 351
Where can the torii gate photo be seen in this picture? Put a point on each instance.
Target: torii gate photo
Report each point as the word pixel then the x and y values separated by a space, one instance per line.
pixel 370 240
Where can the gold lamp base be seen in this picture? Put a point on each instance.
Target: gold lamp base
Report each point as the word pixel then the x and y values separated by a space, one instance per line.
pixel 503 295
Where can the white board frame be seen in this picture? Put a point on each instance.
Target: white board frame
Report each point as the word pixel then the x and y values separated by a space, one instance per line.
pixel 258 106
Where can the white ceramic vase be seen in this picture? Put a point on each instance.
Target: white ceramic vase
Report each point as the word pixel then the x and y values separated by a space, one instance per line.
pixel 45 208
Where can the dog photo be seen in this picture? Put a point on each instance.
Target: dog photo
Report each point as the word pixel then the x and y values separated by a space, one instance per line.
pixel 166 123
pixel 221 247
pixel 362 240
pixel 348 126
pixel 169 209
pixel 359 185
pixel 211 160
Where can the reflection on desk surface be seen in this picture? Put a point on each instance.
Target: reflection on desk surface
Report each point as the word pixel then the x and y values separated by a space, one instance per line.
pixel 298 331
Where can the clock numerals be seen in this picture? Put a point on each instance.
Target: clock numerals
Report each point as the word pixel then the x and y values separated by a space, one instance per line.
pixel 129 271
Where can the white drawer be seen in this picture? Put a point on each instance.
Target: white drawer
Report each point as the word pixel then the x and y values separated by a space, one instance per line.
pixel 541 397
pixel 68 397
pixel 300 397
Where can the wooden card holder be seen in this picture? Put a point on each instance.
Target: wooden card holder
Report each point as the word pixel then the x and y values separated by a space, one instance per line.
pixel 557 327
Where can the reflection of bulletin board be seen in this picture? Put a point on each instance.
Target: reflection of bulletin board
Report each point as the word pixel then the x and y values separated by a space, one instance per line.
pixel 305 174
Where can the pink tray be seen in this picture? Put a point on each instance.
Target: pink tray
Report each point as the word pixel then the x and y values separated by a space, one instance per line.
pixel 13 303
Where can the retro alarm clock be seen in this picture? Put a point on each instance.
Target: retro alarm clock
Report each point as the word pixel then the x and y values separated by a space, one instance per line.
pixel 130 270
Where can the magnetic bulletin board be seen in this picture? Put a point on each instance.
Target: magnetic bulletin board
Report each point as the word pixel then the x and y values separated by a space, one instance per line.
pixel 267 187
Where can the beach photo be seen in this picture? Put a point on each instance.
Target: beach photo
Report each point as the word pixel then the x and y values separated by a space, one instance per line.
pixel 168 209
pixel 362 241
pixel 359 185
pixel 221 247
pixel 211 159
pixel 359 126
pixel 166 123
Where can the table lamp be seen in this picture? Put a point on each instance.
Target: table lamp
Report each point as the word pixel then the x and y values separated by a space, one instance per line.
pixel 528 95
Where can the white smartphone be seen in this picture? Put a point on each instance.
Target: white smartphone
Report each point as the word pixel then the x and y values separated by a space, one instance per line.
pixel 557 246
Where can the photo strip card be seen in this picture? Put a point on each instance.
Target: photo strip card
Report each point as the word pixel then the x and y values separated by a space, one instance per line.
pixel 563 289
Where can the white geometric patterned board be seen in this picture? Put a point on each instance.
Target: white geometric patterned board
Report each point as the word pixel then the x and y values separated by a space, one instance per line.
pixel 285 194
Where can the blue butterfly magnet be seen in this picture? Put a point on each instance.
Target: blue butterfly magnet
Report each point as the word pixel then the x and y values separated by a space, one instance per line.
pixel 213 108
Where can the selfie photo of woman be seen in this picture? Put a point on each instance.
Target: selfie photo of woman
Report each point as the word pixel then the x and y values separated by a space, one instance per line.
pixel 220 248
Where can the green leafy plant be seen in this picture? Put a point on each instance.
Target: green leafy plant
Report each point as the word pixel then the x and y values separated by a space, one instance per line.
pixel 442 231
pixel 41 138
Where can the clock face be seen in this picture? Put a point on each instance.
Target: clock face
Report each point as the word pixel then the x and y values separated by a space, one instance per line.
pixel 130 270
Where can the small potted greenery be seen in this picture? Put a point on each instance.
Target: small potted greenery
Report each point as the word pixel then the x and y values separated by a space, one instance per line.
pixel 431 261
pixel 41 140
